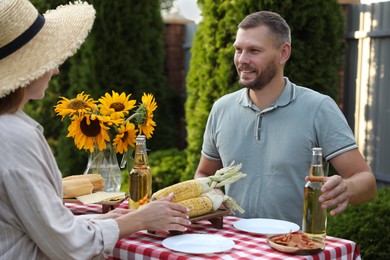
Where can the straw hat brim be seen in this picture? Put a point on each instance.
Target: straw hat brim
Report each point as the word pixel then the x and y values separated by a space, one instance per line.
pixel 65 29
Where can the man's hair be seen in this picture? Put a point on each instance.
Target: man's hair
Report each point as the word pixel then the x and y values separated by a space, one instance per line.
pixel 277 26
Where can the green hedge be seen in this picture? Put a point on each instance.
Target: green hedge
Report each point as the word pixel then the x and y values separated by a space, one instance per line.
pixel 167 167
pixel 367 224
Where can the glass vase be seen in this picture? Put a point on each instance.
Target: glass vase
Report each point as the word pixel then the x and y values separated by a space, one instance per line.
pixel 106 164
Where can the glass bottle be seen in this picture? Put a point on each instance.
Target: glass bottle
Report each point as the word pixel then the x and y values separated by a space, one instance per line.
pixel 106 164
pixel 140 176
pixel 314 217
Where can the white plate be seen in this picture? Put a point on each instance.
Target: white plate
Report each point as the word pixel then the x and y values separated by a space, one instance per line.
pixel 198 243
pixel 266 226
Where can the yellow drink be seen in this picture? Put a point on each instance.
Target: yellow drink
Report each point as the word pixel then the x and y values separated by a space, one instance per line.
pixel 314 217
pixel 140 176
pixel 139 187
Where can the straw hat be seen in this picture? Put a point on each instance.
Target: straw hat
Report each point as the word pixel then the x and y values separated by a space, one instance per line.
pixel 32 44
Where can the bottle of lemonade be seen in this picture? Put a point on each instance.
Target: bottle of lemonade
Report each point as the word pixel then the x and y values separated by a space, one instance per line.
pixel 314 217
pixel 140 176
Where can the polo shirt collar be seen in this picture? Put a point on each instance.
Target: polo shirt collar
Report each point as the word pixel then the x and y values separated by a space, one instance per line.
pixel 287 96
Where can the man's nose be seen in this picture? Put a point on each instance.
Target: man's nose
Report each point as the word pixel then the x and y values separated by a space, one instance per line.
pixel 243 57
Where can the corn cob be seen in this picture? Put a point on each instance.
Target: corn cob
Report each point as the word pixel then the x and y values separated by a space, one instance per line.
pixel 182 190
pixel 194 188
pixel 197 206
pixel 208 202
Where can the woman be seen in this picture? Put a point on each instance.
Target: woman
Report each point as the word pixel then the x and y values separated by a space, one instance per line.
pixel 34 223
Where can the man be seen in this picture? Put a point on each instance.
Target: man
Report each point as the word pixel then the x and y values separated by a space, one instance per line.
pixel 271 126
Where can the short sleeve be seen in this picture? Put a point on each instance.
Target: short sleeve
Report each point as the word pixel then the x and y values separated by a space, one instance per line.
pixel 334 134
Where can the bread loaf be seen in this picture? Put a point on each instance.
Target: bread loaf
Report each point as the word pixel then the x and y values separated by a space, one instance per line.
pixel 96 180
pixel 76 187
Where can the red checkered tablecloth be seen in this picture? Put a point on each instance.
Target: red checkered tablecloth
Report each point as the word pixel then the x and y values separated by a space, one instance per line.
pixel 143 245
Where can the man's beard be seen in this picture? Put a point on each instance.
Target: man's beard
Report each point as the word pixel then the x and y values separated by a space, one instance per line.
pixel 262 79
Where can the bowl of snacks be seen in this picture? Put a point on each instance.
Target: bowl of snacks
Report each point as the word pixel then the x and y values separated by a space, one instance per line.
pixel 295 243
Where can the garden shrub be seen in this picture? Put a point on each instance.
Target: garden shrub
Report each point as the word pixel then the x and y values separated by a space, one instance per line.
pixel 367 224
pixel 167 167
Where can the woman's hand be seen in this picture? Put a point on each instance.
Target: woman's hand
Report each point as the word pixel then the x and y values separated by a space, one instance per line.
pixel 164 216
pixel 160 215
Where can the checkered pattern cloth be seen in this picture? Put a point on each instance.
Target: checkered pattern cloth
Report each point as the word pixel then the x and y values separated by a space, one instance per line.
pixel 144 245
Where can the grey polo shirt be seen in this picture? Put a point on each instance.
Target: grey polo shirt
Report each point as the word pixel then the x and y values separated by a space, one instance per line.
pixel 274 145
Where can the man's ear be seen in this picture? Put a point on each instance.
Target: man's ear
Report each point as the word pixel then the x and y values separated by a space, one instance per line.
pixel 285 52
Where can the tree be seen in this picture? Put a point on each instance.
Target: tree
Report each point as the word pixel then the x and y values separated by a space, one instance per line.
pixel 317 28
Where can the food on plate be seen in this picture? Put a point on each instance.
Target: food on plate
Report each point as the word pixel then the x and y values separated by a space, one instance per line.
pixel 96 180
pixel 100 196
pixel 296 240
pixel 208 202
pixel 76 187
pixel 194 188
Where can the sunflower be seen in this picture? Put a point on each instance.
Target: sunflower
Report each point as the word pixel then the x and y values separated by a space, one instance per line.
pixel 115 105
pixel 108 120
pixel 126 136
pixel 81 104
pixel 145 121
pixel 89 130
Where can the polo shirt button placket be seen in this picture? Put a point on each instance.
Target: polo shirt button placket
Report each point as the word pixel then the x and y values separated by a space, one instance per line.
pixel 258 127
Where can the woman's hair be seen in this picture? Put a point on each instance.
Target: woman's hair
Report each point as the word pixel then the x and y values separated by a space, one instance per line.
pixel 277 26
pixel 11 102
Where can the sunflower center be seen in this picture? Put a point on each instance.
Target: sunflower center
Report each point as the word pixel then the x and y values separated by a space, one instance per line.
pixel 117 106
pixel 77 104
pixel 125 135
pixel 91 130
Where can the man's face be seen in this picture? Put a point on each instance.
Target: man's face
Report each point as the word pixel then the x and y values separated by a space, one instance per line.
pixel 256 57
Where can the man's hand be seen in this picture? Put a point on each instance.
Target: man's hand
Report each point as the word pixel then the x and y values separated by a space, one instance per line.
pixel 334 195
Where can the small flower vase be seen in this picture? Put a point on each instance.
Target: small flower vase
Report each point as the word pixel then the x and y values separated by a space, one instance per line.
pixel 106 164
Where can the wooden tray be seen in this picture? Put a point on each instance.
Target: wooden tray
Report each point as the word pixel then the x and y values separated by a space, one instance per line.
pixel 215 218
pixel 107 205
